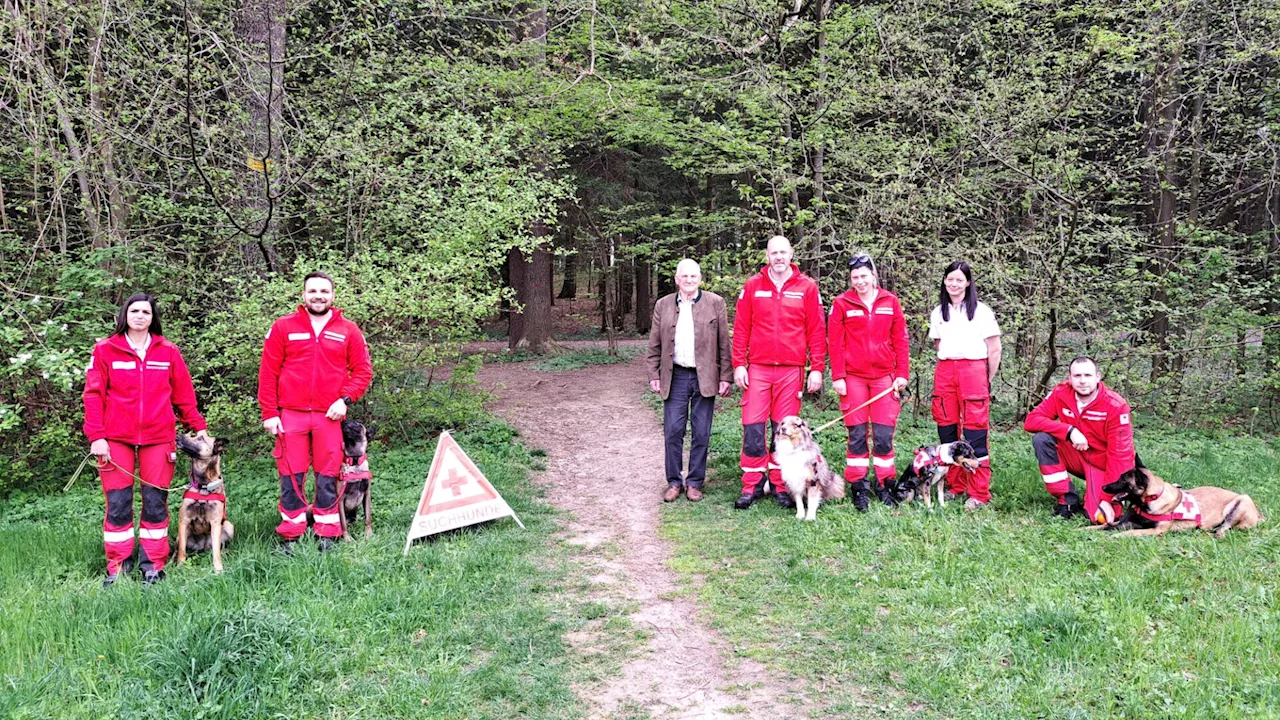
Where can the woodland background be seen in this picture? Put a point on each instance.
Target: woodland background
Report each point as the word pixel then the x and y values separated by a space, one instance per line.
pixel 1111 170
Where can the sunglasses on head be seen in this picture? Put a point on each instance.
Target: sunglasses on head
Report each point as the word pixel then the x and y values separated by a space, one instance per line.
pixel 860 260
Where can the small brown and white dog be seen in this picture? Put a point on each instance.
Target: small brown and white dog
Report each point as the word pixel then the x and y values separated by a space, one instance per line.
pixel 203 515
pixel 804 470
pixel 1212 509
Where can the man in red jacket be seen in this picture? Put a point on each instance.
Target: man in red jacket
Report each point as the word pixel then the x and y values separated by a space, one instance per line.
pixel 1082 428
pixel 314 364
pixel 777 330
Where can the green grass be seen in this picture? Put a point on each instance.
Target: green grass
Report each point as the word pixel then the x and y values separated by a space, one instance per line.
pixel 579 359
pixel 469 625
pixel 1005 613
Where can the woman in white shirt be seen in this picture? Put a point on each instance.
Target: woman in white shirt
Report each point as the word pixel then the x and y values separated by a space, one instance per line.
pixel 967 338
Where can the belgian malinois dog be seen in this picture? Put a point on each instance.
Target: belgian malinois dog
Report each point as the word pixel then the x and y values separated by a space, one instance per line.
pixel 203 515
pixel 1212 509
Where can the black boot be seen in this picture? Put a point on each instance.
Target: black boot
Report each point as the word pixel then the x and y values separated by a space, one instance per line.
pixel 785 500
pixel 1069 506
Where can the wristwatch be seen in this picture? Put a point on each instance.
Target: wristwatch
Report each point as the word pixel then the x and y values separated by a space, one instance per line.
pixel 346 399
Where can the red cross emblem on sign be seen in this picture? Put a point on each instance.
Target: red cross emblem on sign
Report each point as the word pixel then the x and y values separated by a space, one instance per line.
pixel 454 482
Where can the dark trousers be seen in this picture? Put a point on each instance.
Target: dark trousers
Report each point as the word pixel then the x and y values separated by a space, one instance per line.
pixel 685 403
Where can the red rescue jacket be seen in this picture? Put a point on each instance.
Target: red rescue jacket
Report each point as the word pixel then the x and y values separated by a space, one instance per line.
pixel 1105 422
pixel 779 328
pixel 300 371
pixel 868 342
pixel 131 400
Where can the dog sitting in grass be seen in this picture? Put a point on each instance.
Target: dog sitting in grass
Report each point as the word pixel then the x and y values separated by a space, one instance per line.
pixel 1212 509
pixel 203 515
pixel 804 470
pixel 355 477
pixel 928 468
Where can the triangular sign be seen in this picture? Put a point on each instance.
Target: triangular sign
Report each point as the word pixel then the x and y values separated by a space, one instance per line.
pixel 456 494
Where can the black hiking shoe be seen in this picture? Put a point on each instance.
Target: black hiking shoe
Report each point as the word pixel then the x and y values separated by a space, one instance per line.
pixel 859 499
pixel 1069 506
pixel 744 501
pixel 110 580
pixel 785 501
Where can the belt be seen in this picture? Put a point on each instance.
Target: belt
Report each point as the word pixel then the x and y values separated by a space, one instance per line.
pixel 682 367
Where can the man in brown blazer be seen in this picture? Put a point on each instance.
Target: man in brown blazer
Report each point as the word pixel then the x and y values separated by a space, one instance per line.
pixel 689 364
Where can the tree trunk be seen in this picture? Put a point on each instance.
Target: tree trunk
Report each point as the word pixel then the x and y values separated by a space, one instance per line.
pixel 644 303
pixel 516 271
pixel 1162 113
pixel 260 24
pixel 569 286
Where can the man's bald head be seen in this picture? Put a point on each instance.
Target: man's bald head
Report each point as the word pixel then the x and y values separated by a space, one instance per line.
pixel 778 252
pixel 688 277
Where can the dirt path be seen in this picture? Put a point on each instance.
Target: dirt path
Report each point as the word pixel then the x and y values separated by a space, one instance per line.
pixel 604 465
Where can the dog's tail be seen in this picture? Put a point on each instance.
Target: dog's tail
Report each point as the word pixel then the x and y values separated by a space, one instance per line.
pixel 1240 510
pixel 832 485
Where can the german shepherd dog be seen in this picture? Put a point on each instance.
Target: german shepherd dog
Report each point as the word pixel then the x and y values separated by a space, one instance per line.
pixel 355 478
pixel 203 515
pixel 1213 509
pixel 804 470
pixel 927 469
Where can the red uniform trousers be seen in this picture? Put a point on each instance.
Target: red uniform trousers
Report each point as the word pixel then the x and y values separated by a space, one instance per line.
pixel 773 392
pixel 1059 460
pixel 309 440
pixel 962 400
pixel 154 464
pixel 883 415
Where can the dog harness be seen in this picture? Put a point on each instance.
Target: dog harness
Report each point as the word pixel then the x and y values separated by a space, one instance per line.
pixel 211 492
pixel 356 469
pixel 1188 509
pixel 926 457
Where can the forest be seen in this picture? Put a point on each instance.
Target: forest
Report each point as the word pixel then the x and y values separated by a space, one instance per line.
pixel 1110 169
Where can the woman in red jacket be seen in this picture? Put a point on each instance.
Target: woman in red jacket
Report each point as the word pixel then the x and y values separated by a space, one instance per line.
pixel 967 337
pixel 867 345
pixel 134 383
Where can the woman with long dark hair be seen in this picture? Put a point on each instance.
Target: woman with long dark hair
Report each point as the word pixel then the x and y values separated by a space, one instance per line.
pixel 967 337
pixel 133 385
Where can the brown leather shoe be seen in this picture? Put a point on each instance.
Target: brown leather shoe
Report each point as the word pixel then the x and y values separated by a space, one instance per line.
pixel 694 494
pixel 673 492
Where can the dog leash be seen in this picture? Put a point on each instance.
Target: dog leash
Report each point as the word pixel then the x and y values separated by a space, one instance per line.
pixel 824 426
pixel 90 456
pixel 293 477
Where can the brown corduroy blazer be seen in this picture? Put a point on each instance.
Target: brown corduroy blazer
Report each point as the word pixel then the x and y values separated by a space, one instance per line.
pixel 710 342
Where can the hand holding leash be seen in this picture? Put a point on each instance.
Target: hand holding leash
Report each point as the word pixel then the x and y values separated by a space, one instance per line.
pixel 101 450
pixel 884 392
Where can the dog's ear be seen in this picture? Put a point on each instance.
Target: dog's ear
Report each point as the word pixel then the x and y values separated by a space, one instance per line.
pixel 219 445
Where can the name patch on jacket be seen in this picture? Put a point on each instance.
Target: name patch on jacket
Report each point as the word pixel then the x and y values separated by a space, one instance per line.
pixel 854 313
pixel 764 293
pixel 124 365
pixel 299 336
pixel 793 295
pixel 157 365
pixel 884 311
pixel 334 336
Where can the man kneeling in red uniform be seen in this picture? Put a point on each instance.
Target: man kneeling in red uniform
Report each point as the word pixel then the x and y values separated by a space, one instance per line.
pixel 1082 428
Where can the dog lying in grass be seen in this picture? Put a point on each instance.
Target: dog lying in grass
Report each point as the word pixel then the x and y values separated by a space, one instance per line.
pixel 927 469
pixel 1171 508
pixel 203 515
pixel 355 478
pixel 804 470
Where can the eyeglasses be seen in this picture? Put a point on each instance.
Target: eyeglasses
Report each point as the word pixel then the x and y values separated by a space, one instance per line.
pixel 860 260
